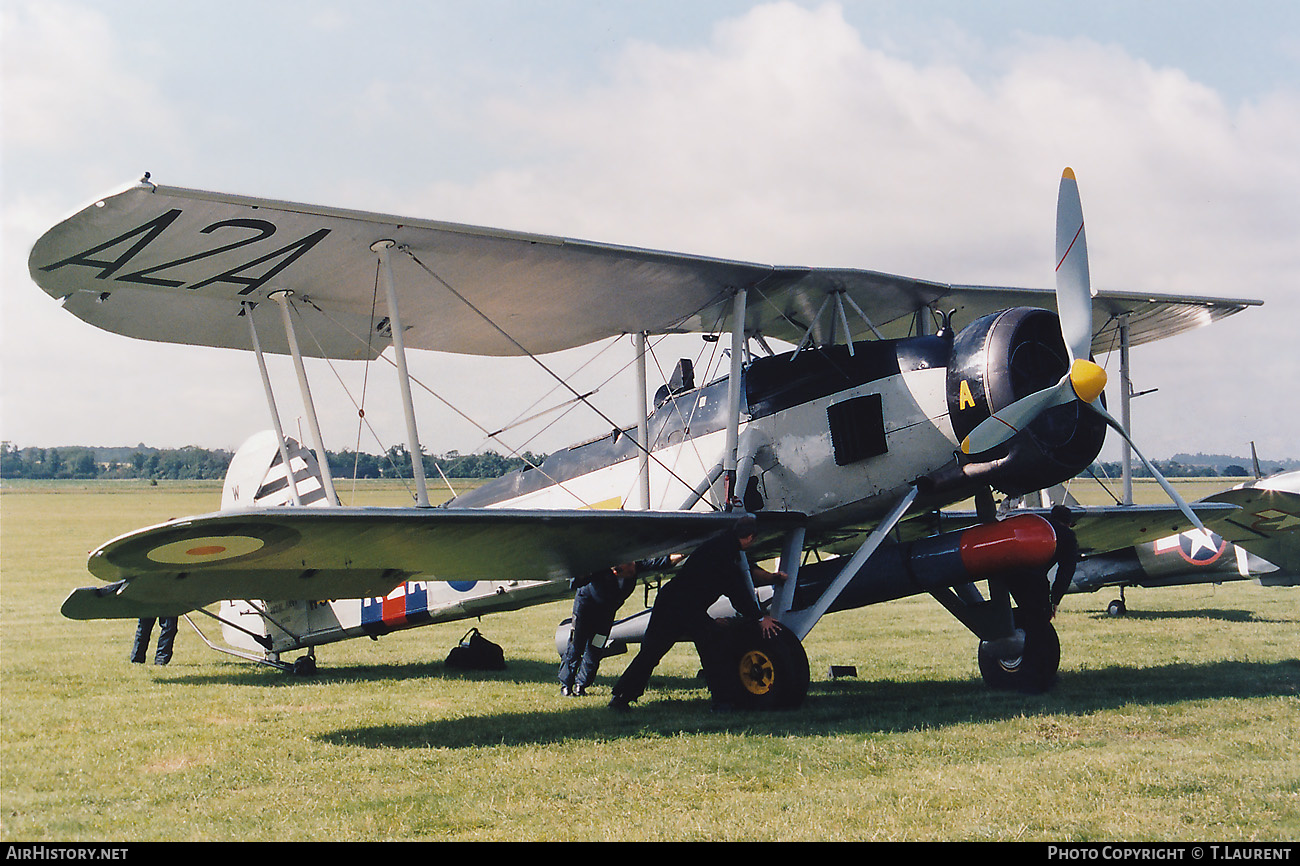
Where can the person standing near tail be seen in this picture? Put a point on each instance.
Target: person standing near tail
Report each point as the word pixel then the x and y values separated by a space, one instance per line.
pixel 166 639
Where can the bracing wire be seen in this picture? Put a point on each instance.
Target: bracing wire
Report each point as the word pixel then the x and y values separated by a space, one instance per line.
pixel 514 452
pixel 531 355
pixel 361 415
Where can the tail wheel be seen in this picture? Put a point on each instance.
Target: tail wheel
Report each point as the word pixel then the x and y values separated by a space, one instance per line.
pixel 771 673
pixel 1034 670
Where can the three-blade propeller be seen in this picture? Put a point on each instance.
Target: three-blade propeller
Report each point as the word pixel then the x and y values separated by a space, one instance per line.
pixel 1084 380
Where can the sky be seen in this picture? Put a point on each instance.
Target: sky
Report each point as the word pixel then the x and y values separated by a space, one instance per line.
pixel 918 138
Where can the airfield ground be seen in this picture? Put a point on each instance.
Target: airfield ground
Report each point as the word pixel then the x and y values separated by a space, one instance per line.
pixel 1177 722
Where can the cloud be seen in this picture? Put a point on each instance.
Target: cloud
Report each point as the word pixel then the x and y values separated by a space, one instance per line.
pixel 71 92
pixel 786 138
pixel 785 134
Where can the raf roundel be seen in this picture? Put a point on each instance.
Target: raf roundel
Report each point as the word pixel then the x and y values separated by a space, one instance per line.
pixel 194 551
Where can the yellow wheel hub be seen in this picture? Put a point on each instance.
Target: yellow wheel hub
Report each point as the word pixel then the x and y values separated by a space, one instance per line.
pixel 757 673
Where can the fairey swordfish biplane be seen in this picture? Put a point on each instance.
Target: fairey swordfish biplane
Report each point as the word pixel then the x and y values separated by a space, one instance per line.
pixel 900 397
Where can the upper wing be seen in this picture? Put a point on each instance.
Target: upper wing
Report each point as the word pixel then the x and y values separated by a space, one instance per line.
pixel 314 553
pixel 1150 317
pixel 177 265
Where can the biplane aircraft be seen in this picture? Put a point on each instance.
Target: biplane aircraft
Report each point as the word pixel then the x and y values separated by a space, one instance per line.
pixel 900 396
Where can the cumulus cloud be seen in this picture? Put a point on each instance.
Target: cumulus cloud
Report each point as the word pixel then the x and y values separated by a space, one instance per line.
pixel 785 134
pixel 786 138
pixel 788 135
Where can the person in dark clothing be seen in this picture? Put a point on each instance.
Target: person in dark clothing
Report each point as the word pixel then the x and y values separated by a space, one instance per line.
pixel 595 604
pixel 166 638
pixel 717 567
pixel 1067 553
pixel 1035 590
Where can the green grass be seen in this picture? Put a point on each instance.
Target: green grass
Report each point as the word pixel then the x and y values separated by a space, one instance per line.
pixel 1177 722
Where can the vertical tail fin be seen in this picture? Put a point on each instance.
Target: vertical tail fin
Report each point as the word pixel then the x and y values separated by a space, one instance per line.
pixel 258 477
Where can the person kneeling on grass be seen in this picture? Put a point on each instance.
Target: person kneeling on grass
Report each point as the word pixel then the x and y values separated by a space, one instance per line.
pixel 716 568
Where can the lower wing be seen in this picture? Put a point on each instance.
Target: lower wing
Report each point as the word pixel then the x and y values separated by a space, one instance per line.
pixel 283 554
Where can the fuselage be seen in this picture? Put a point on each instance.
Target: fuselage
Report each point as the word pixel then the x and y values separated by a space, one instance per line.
pixel 833 433
pixel 837 434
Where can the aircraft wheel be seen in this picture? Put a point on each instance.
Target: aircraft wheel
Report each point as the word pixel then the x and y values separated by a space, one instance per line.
pixel 1116 608
pixel 1034 670
pixel 771 673
pixel 304 666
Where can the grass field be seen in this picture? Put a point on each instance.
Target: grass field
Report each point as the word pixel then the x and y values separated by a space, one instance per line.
pixel 1177 722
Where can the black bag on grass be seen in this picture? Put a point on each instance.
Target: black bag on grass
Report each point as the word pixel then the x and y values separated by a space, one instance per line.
pixel 476 653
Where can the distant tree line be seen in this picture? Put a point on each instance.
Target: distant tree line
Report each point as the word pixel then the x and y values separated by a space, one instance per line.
pixel 396 463
pixel 1171 469
pixel 79 462
pixel 199 463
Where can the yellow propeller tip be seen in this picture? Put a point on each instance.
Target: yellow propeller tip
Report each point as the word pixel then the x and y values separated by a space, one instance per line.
pixel 965 445
pixel 1068 174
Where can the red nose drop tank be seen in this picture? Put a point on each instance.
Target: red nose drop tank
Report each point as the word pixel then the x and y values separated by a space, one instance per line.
pixel 950 559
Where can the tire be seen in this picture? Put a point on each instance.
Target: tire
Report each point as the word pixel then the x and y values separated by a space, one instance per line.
pixel 304 666
pixel 770 673
pixel 1116 608
pixel 1034 670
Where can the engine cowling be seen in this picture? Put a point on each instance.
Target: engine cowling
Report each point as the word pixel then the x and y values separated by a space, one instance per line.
pixel 998 359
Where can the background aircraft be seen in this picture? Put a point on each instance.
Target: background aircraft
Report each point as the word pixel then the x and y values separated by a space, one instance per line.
pixel 842 445
pixel 1267 549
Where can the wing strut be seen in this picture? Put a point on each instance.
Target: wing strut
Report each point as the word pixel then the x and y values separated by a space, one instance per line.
pixel 403 377
pixel 313 425
pixel 247 310
pixel 734 387
pixel 1125 413
pixel 643 421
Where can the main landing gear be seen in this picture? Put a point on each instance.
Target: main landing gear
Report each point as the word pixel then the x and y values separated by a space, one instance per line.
pixel 1031 666
pixel 1018 650
pixel 770 673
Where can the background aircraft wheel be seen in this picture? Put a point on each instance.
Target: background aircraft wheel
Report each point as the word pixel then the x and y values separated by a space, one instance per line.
pixel 304 667
pixel 1034 670
pixel 1117 608
pixel 772 673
